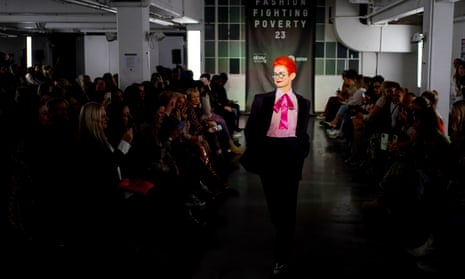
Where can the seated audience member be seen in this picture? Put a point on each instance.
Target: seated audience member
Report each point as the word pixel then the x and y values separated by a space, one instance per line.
pixel 98 224
pixel 333 104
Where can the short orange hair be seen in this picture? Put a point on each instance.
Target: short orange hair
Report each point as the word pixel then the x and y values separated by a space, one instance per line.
pixel 287 62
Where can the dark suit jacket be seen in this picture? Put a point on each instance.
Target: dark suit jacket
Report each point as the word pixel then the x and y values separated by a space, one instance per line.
pixel 257 126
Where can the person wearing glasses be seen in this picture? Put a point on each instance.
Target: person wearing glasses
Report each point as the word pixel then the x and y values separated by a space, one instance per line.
pixel 277 142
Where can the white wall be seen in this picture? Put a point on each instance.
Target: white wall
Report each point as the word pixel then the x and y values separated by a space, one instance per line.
pixel 154 50
pixel 166 45
pixel 325 87
pixel 113 58
pixel 235 88
pixel 97 56
pixel 459 30
pixel 457 37
pixel 101 56
pixel 400 67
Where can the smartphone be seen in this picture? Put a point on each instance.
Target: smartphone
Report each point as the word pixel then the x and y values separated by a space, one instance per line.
pixel 395 138
pixel 180 125
pixel 219 127
pixel 384 141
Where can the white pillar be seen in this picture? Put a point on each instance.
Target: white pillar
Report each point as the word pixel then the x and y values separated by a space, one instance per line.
pixel 437 54
pixel 134 52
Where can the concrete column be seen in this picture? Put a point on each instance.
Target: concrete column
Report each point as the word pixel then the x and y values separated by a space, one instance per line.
pixel 437 53
pixel 134 51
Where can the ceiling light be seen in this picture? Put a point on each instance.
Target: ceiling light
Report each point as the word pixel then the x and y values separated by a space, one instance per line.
pixel 161 22
pixel 185 20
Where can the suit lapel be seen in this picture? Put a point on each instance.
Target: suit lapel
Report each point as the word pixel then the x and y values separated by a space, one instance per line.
pixel 268 103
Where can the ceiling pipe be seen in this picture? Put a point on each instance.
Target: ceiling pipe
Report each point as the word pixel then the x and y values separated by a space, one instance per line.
pixel 459 18
pixel 395 11
pixel 170 13
pixel 382 9
pixel 102 7
pixel 93 5
pixel 378 38
pixel 375 12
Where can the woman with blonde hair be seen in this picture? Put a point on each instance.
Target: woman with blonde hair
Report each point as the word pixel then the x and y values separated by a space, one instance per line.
pixel 98 224
pixel 457 137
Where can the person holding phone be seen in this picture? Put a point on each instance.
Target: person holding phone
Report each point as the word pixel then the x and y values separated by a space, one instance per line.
pixel 277 142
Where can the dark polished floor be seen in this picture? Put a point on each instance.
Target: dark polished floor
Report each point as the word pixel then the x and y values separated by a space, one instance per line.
pixel 334 237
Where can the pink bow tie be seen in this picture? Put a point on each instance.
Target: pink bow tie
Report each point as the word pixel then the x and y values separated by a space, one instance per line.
pixel 284 104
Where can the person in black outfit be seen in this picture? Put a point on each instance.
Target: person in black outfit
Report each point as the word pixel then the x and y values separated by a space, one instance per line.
pixel 222 105
pixel 277 142
pixel 97 230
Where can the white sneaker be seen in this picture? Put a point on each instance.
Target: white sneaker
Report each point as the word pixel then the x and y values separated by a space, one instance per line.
pixel 236 135
pixel 320 117
pixel 333 133
pixel 424 250
pixel 195 202
pixel 278 268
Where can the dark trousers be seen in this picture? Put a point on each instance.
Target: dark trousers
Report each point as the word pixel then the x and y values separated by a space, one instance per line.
pixel 332 106
pixel 280 184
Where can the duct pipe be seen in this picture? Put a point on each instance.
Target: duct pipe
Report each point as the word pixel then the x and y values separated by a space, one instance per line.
pixel 93 5
pixel 370 38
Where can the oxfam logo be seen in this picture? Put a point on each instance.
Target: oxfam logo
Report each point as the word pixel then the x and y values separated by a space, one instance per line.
pixel 259 58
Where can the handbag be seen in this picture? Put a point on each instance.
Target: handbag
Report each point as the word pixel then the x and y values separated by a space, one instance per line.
pixel 140 186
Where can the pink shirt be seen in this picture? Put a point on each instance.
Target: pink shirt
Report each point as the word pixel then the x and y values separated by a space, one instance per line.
pixel 273 130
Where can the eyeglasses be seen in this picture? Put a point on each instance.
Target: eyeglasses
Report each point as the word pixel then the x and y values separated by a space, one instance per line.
pixel 279 75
